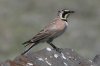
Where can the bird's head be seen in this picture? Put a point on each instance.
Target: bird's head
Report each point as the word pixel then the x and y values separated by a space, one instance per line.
pixel 64 14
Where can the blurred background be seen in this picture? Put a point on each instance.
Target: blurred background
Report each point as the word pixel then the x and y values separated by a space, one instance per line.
pixel 20 20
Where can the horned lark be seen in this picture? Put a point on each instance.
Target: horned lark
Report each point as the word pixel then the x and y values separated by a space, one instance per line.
pixel 50 31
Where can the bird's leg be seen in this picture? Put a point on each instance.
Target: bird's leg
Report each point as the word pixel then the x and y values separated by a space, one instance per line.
pixel 53 45
pixel 56 48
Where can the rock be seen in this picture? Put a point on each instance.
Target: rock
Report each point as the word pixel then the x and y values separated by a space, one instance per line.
pixel 50 57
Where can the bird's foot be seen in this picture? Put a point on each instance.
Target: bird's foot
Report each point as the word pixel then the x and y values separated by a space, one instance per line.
pixel 59 50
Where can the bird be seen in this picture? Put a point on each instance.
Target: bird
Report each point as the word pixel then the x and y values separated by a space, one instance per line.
pixel 52 30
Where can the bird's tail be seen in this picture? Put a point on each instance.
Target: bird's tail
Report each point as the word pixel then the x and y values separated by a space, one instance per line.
pixel 27 43
pixel 29 48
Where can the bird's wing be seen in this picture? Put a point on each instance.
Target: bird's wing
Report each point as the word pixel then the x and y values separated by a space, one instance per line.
pixel 43 34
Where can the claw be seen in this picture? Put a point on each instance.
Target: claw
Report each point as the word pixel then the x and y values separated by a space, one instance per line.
pixel 58 50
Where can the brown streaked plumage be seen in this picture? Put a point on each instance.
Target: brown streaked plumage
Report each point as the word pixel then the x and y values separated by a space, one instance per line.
pixel 50 31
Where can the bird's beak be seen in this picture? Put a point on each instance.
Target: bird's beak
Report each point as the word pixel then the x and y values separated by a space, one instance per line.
pixel 71 11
